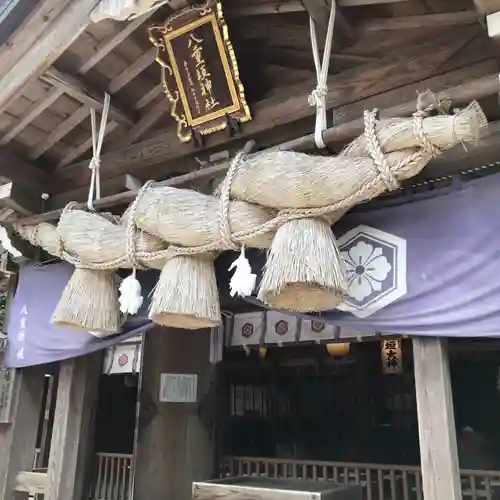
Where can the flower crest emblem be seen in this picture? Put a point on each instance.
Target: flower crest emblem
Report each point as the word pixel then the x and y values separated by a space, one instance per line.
pixel 367 269
pixel 317 326
pixel 247 330
pixel 281 327
pixel 122 360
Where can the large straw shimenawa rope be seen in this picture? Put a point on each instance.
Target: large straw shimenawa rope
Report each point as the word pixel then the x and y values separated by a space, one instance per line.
pixel 283 200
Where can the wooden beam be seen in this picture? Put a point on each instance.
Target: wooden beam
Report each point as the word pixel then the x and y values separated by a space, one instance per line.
pixel 109 187
pixel 184 432
pixel 23 173
pixel 56 35
pixel 81 91
pixel 436 421
pixel 447 19
pixel 462 158
pixel 487 6
pixel 72 435
pixel 357 3
pixel 319 10
pixel 34 483
pixel 18 439
pixel 19 199
pixel 475 88
pixel 106 46
pixel 85 146
pixel 302 60
pixel 78 116
pixel 280 7
pixel 12 14
pixel 290 104
pixel 29 30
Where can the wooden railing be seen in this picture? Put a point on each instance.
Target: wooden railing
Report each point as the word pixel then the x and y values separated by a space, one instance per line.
pixel 380 482
pixel 112 478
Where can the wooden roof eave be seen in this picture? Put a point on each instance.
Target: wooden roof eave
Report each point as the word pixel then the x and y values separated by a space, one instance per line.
pixel 38 41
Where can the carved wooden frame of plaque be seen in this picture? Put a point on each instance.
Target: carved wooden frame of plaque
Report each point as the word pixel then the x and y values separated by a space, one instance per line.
pixel 185 23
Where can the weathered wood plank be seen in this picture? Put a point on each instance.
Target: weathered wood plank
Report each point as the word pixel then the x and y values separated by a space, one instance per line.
pixel 19 199
pixel 23 173
pixel 72 441
pixel 29 31
pixel 436 421
pixel 106 46
pixel 279 7
pixel 84 93
pixel 487 6
pixel 290 104
pixel 462 18
pixel 12 14
pixel 85 146
pixel 55 36
pixel 33 483
pixel 182 433
pixel 319 10
pixel 109 187
pixel 472 89
pixel 18 439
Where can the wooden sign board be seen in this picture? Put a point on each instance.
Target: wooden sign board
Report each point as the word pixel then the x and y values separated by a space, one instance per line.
pixel 392 357
pixel 178 388
pixel 7 376
pixel 199 71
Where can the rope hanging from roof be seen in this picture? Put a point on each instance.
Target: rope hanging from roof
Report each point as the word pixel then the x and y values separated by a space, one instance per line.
pixel 280 200
pixel 318 96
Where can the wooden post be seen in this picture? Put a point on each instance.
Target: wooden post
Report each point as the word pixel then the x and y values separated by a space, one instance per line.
pixel 72 435
pixel 436 421
pixel 18 439
pixel 175 442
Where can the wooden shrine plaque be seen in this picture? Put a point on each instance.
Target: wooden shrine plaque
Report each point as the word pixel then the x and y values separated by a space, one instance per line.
pixel 199 71
pixel 7 376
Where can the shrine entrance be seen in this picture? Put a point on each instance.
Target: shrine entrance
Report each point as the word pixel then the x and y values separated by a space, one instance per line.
pixel 302 402
pixel 300 412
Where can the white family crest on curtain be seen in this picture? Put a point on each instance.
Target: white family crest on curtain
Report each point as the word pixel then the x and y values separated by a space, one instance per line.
pixel 376 269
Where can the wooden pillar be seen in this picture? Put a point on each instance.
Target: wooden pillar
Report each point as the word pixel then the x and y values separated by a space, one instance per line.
pixel 72 435
pixel 18 438
pixel 436 421
pixel 175 442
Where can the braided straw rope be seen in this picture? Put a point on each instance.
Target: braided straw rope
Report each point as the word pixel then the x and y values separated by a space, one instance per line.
pixel 231 240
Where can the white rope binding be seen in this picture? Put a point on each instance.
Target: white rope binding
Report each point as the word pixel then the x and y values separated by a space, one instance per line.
pixel 95 162
pixel 318 96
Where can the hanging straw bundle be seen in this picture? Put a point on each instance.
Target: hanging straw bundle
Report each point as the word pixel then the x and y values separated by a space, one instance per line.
pixel 96 246
pixel 304 271
pixel 398 133
pixel 284 201
pixel 186 295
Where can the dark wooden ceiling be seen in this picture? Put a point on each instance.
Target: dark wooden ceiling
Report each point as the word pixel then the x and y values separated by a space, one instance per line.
pixel 383 52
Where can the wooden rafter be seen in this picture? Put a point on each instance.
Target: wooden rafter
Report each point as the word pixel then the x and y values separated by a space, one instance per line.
pixel 23 173
pixel 71 122
pixel 86 94
pixel 303 60
pixel 487 6
pixel 290 104
pixel 446 19
pixel 12 14
pixel 319 10
pixel 32 57
pixel 461 93
pixel 289 6
pixel 104 48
